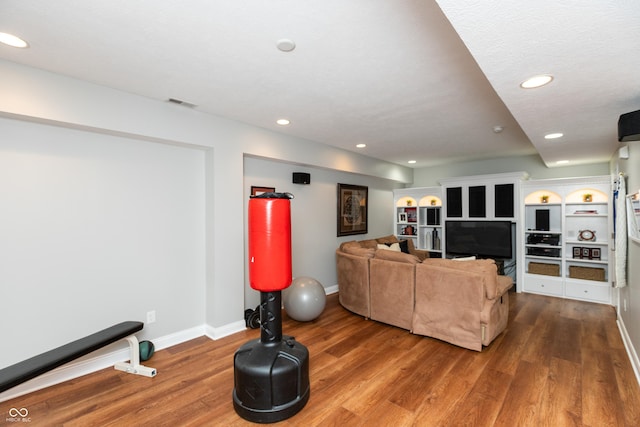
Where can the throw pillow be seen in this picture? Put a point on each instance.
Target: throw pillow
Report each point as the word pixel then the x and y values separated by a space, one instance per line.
pixel 395 247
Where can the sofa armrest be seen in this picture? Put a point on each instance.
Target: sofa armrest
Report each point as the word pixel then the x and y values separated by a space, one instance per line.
pixel 353 282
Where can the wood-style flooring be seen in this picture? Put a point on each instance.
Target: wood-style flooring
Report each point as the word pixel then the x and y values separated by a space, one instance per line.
pixel 559 363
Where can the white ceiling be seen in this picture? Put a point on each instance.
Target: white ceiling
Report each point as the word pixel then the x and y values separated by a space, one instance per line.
pixel 412 79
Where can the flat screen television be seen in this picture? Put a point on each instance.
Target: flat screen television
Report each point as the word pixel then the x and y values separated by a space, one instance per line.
pixel 484 239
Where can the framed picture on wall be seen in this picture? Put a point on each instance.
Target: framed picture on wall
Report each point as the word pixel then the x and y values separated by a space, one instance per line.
pixel 256 191
pixel 352 213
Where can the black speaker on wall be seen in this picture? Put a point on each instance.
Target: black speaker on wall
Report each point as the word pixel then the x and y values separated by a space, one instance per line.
pixel 629 126
pixel 301 178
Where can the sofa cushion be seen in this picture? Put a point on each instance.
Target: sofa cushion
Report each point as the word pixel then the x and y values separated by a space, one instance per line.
pixel 350 244
pixel 396 256
pixel 485 267
pixel 404 246
pixel 394 247
pixel 371 243
pixel 359 251
pixel 387 239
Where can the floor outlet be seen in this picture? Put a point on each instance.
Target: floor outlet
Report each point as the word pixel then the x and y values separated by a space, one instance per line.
pixel 151 316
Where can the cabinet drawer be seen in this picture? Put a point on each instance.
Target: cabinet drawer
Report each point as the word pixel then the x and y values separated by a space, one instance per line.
pixel 587 292
pixel 542 285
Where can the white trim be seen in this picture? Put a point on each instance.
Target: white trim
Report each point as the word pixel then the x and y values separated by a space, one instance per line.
pixel 225 330
pixel 331 289
pixel 628 345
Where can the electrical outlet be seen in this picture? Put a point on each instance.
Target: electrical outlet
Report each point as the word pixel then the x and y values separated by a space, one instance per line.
pixel 151 316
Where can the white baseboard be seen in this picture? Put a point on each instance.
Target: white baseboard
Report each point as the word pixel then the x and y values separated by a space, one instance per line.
pixel 628 345
pixel 226 330
pixel 87 365
pixel 331 289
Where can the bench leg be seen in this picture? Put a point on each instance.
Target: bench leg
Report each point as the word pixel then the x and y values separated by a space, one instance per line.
pixel 134 366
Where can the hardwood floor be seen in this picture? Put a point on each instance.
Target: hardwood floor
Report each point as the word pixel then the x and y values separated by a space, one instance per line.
pixel 559 363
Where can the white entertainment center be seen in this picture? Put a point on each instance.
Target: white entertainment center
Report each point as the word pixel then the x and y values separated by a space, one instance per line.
pixel 561 228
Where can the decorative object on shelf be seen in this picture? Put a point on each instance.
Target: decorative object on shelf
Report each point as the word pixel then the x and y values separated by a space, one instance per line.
pixel 577 252
pixel 409 202
pixel 412 214
pixel 409 230
pixel 352 214
pixel 587 198
pixel 402 217
pixel 586 212
pixel 433 202
pixel 256 191
pixel 544 199
pixel 587 235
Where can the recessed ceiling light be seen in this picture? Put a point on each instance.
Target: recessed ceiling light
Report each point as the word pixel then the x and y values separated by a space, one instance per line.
pixel 286 45
pixel 411 162
pixel 536 81
pixel 562 162
pixel 283 122
pixel 498 129
pixel 554 135
pixel 11 40
pixel 361 145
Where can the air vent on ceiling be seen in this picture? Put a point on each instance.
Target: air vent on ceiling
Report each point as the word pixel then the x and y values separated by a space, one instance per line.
pixel 181 102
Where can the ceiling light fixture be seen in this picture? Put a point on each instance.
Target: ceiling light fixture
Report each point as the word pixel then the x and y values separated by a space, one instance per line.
pixel 411 162
pixel 536 81
pixel 286 45
pixel 283 122
pixel 361 145
pixel 562 162
pixel 11 40
pixel 554 135
pixel 498 129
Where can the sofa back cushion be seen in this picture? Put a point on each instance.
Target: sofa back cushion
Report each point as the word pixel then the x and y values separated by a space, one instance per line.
pixel 485 267
pixel 387 239
pixel 359 251
pixel 371 243
pixel 396 256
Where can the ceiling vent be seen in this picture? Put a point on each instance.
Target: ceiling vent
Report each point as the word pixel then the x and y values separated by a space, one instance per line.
pixel 181 102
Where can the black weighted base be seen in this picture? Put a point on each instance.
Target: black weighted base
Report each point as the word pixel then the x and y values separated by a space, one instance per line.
pixel 271 374
pixel 271 381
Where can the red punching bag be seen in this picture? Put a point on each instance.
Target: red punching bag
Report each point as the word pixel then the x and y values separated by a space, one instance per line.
pixel 270 242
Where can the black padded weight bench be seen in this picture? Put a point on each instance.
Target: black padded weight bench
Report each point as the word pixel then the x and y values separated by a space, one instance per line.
pixel 23 371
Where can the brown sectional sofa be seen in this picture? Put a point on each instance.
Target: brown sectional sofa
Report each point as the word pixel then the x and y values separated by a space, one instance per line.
pixel 462 302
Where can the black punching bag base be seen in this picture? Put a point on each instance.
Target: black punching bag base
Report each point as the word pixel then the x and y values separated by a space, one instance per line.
pixel 271 380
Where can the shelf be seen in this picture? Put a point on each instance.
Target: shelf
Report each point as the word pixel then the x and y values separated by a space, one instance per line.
pixel 574 206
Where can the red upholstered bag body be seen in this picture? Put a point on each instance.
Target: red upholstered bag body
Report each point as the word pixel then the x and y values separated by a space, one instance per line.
pixel 269 244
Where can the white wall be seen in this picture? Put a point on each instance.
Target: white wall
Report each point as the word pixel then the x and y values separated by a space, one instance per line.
pixel 313 214
pixel 631 293
pixel 111 120
pixel 95 230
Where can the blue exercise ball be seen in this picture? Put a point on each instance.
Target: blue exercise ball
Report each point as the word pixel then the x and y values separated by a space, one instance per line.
pixel 305 299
